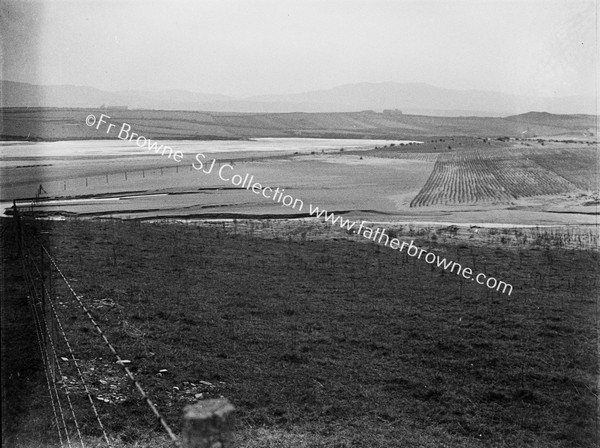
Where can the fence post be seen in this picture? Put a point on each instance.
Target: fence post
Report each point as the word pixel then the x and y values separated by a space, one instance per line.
pixel 45 314
pixel 208 424
pixel 17 227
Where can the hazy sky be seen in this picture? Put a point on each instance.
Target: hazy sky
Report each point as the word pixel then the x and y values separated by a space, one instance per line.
pixel 247 47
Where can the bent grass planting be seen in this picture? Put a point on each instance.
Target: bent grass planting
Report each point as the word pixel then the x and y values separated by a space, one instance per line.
pixel 501 176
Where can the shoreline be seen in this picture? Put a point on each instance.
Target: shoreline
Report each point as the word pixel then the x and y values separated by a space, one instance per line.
pixel 200 218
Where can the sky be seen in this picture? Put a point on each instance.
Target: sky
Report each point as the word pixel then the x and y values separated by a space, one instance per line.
pixel 252 47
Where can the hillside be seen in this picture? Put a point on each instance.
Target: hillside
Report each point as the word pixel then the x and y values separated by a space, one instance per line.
pixel 68 124
pixel 578 121
pixel 411 98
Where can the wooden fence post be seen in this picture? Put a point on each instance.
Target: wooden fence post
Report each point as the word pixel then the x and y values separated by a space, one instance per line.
pixel 208 424
pixel 45 314
pixel 17 219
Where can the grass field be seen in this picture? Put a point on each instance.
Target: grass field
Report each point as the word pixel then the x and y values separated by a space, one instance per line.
pixel 328 341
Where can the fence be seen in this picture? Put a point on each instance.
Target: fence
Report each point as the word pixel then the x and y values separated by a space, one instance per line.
pixel 78 182
pixel 208 423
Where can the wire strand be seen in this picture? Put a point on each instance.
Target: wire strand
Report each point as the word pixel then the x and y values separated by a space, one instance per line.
pixel 42 353
pixel 79 372
pixel 138 386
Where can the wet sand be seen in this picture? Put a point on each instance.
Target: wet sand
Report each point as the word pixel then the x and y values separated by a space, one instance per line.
pixel 125 184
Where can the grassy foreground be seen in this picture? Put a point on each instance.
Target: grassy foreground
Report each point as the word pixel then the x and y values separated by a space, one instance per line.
pixel 324 343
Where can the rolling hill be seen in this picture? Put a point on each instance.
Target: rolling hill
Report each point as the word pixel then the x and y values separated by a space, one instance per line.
pixel 69 124
pixel 413 98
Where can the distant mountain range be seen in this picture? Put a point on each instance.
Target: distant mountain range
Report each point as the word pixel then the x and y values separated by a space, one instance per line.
pixel 410 98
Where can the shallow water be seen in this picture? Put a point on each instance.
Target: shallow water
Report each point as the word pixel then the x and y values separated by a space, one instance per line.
pixel 10 152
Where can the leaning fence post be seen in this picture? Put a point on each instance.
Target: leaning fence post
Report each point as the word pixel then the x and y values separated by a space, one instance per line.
pixel 208 424
pixel 17 218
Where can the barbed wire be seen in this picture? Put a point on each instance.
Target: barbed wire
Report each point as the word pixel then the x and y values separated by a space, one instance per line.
pixel 40 328
pixel 50 302
pixel 71 352
pixel 120 361
pixel 42 349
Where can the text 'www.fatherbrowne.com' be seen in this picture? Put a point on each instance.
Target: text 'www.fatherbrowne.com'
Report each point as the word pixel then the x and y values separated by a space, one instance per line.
pixel 378 235
pixel 227 173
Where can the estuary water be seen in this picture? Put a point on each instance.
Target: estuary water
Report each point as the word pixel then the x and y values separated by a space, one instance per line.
pixel 12 152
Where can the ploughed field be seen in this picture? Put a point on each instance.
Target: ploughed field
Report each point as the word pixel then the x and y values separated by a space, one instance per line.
pixel 502 176
pixel 332 341
pixel 463 179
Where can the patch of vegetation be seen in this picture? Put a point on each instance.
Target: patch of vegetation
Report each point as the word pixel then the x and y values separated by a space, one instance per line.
pixel 334 342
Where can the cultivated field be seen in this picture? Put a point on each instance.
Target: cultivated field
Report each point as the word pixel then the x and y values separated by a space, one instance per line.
pixel 504 175
pixel 461 178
